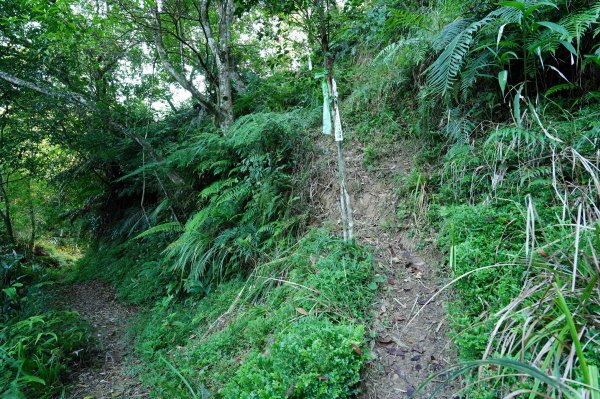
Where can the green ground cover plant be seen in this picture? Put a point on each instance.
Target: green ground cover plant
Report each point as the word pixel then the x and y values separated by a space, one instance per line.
pixel 300 295
pixel 39 345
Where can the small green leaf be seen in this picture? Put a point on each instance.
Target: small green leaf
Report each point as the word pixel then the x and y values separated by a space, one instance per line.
pixel 515 4
pixel 32 378
pixel 534 7
pixel 500 31
pixel 517 106
pixel 11 292
pixel 372 286
pixel 502 78
pixel 569 47
pixel 554 27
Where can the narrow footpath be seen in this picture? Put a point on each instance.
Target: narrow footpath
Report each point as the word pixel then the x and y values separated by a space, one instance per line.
pixel 407 349
pixel 110 374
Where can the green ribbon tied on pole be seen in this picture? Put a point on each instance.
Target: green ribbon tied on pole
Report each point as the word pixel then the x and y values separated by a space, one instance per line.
pixel 327 128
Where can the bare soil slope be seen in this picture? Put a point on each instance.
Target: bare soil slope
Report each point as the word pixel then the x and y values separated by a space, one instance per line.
pixel 405 354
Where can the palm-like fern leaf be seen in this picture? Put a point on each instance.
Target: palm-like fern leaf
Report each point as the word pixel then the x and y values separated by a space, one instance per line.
pixel 163 227
pixel 444 71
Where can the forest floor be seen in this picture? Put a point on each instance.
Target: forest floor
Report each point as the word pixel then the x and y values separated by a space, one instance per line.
pixel 110 374
pixel 410 332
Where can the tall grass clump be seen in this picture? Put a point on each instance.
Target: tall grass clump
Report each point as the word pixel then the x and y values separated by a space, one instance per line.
pixel 522 219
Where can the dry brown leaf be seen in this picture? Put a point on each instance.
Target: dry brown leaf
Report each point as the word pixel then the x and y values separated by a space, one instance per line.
pixel 385 340
pixel 543 253
pixel 302 311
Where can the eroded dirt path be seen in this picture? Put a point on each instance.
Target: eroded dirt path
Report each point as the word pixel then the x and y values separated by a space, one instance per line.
pixel 405 354
pixel 109 375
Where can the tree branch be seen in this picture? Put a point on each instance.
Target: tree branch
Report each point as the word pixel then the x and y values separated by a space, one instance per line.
pixel 182 80
pixel 81 100
pixel 212 44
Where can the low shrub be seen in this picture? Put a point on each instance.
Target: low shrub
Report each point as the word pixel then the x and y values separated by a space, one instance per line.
pixel 134 270
pixel 321 285
pixel 313 359
pixel 38 344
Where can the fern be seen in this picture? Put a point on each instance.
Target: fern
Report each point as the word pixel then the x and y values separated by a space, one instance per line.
pixel 243 206
pixel 458 127
pixel 577 24
pixel 457 39
pixel 450 32
pixel 466 46
pixel 473 70
pixel 217 187
pixel 558 88
pixel 164 227
pixel 408 20
pixel 391 51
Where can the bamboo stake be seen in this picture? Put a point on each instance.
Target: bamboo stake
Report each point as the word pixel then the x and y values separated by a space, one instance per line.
pixel 345 204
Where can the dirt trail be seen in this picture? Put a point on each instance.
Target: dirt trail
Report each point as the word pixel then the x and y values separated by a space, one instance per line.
pixel 405 354
pixel 109 375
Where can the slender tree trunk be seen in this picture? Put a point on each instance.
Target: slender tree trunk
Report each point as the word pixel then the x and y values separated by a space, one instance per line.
pixel 6 216
pixel 31 219
pixel 225 100
pixel 224 64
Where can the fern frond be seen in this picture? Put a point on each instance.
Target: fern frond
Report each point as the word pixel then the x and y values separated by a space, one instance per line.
pixel 407 19
pixel 444 71
pixel 458 127
pixel 234 194
pixel 580 22
pixel 391 51
pixel 169 226
pixel 150 166
pixel 217 187
pixel 472 71
pixel 450 32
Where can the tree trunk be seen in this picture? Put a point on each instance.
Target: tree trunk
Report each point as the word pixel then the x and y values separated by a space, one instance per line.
pixel 6 216
pixel 225 100
pixel 222 55
pixel 225 64
pixel 31 219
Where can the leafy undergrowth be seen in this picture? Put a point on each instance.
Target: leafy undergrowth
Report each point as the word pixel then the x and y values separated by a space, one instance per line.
pixel 234 303
pixel 39 345
pixel 293 328
pixel 134 270
pixel 524 253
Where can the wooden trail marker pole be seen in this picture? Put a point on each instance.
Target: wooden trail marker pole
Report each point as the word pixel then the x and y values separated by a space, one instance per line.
pixel 345 204
pixel 331 110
